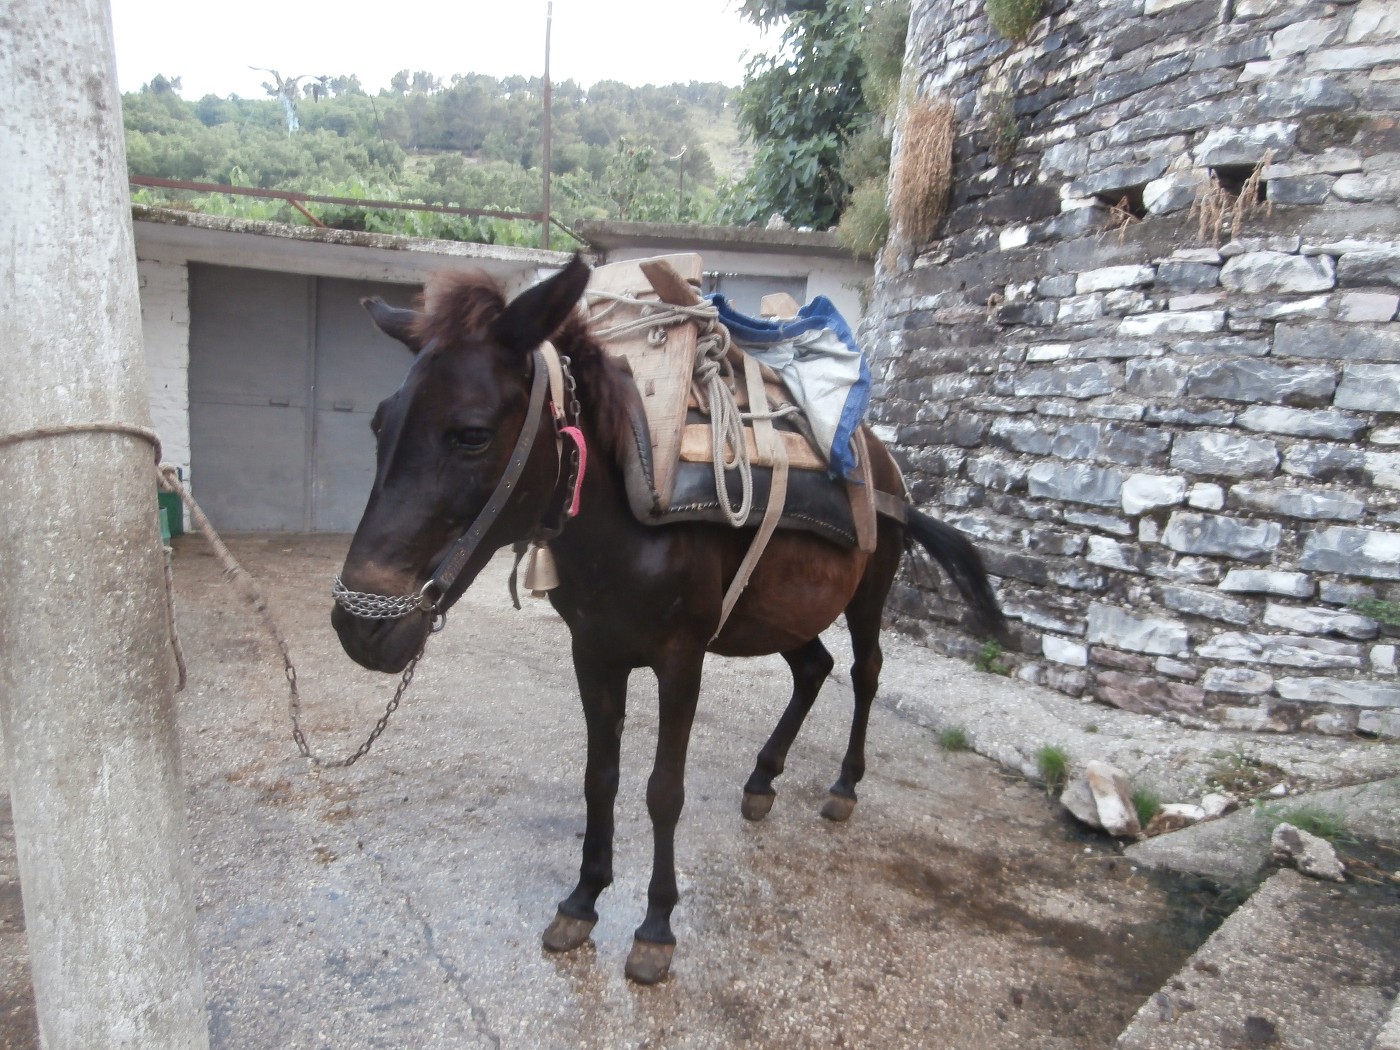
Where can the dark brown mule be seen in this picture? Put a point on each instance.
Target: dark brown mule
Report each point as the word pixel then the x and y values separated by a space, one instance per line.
pixel 632 595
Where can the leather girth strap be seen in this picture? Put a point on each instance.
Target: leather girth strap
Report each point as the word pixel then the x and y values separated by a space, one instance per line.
pixel 770 444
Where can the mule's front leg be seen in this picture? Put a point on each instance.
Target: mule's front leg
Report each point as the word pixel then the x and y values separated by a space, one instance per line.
pixel 679 680
pixel 603 689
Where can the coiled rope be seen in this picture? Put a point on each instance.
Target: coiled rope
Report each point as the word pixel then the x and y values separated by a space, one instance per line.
pixel 712 381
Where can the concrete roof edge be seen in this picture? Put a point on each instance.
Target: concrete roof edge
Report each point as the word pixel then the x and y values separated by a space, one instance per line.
pixel 606 235
pixel 346 238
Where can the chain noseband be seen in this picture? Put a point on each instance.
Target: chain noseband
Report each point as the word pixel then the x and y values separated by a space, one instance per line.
pixel 429 597
pixel 369 606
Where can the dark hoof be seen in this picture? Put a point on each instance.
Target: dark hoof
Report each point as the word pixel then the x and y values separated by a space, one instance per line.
pixel 566 933
pixel 648 962
pixel 756 807
pixel 838 808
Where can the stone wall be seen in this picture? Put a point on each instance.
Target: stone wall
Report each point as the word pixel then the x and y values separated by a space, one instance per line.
pixel 1169 417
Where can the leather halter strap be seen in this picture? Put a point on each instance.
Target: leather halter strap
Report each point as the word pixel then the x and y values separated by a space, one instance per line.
pixel 464 548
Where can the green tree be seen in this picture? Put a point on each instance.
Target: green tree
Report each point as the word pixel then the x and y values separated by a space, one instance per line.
pixel 618 152
pixel 816 108
pixel 798 106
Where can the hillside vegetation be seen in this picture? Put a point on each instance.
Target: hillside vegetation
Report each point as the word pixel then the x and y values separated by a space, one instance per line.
pixel 667 154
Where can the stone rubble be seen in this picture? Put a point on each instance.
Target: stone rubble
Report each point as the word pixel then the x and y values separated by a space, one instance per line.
pixel 1310 854
pixel 1102 798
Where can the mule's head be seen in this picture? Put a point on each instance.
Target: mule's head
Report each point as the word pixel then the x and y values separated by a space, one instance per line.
pixel 444 441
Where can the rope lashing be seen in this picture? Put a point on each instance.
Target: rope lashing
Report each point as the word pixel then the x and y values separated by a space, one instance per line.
pixel 149 436
pixel 653 317
pixel 712 381
pixel 729 451
pixel 60 429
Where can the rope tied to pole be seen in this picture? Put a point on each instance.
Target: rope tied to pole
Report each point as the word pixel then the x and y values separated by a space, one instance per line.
pixel 168 480
pixel 153 439
pixel 61 429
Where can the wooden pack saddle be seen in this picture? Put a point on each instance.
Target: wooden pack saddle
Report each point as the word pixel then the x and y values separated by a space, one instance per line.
pixel 672 476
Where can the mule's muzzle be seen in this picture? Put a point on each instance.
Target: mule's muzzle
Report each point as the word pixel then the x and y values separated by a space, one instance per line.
pixel 382 645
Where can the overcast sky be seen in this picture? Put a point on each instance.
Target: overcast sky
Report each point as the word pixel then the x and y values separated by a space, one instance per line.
pixel 211 45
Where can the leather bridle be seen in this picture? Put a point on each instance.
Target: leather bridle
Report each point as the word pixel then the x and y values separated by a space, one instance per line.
pixel 551 378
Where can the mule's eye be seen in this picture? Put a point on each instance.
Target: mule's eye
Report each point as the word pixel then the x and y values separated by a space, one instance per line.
pixel 469 439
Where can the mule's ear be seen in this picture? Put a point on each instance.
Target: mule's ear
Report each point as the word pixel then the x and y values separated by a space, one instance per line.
pixel 537 313
pixel 394 321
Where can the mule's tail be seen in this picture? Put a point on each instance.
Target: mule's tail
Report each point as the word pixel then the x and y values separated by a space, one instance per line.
pixel 960 560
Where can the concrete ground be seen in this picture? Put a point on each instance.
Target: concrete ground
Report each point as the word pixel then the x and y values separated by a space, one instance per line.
pixel 1304 963
pixel 400 903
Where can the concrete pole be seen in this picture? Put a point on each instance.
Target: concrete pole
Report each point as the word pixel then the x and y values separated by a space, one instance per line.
pixel 86 697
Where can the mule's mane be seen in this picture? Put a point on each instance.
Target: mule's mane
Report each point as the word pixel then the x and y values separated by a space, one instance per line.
pixel 606 391
pixel 459 304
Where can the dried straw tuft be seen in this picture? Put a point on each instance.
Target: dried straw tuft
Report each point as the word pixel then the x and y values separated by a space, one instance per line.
pixel 1216 209
pixel 923 174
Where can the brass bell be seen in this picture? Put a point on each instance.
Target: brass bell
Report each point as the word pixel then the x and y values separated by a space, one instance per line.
pixel 541 575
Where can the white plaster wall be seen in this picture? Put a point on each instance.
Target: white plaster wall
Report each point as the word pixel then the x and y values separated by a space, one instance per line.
pixel 165 326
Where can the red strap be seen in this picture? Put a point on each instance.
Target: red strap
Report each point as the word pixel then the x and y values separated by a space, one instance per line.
pixel 577 436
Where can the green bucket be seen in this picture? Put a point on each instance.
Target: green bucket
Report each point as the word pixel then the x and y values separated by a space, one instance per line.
pixel 172 511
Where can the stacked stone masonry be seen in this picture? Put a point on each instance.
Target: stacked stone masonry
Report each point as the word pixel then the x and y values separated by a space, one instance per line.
pixel 1170 421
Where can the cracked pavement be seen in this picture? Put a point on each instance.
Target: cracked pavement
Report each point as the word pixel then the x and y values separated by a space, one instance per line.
pixel 400 903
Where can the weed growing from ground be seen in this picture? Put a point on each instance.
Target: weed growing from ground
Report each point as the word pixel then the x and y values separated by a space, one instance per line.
pixel 1147 802
pixel 989 659
pixel 1053 763
pixel 954 738
pixel 1313 819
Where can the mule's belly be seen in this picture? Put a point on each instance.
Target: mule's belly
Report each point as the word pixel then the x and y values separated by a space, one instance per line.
pixel 799 587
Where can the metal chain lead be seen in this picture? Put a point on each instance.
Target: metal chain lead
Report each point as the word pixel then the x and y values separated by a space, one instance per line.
pixel 294 707
pixel 171 482
pixel 369 606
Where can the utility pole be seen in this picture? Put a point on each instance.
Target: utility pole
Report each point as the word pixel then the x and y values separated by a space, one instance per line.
pixel 548 93
pixel 86 691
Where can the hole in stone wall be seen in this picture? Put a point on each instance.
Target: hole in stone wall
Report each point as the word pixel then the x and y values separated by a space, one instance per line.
pixel 1126 201
pixel 1235 179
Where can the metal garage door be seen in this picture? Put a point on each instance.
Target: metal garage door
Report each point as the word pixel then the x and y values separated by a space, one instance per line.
pixel 285 372
pixel 745 292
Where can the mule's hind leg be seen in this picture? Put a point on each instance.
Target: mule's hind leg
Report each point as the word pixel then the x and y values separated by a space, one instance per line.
pixel 810 664
pixel 863 616
pixel 604 692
